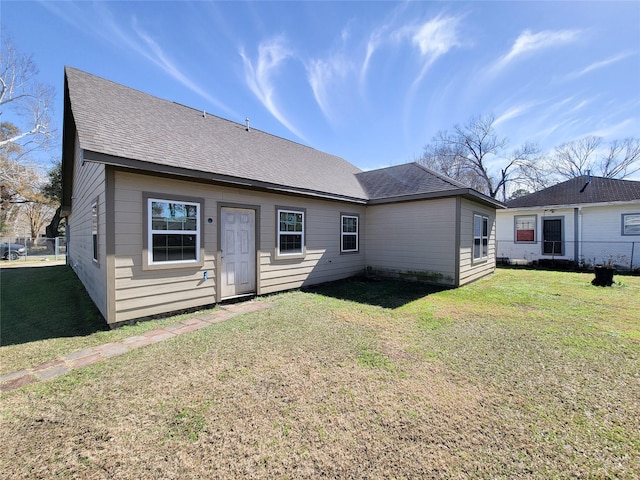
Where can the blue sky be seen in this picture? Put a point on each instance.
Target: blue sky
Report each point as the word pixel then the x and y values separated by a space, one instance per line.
pixel 371 82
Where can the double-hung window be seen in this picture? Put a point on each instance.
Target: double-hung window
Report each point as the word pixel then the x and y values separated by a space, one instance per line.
pixel 290 232
pixel 94 230
pixel 349 233
pixel 174 231
pixel 480 237
pixel 525 228
pixel 631 224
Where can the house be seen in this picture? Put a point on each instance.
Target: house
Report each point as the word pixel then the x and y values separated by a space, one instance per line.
pixel 170 208
pixel 586 221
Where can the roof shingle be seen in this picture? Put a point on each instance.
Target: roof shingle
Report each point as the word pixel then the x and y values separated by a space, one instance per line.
pixel 115 120
pixel 118 125
pixel 406 179
pixel 580 190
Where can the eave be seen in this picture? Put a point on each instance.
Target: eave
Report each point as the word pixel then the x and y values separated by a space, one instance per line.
pixel 225 180
pixel 458 192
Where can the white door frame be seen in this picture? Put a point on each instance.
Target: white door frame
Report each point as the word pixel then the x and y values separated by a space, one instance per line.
pixel 220 265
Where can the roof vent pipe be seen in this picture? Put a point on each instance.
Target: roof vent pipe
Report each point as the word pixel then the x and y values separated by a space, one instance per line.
pixel 588 181
pixel 247 122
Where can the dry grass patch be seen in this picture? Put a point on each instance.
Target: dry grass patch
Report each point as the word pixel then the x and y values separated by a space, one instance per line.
pixel 321 387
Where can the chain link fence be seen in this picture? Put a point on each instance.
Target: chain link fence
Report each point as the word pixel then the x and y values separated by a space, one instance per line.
pixel 624 256
pixel 22 249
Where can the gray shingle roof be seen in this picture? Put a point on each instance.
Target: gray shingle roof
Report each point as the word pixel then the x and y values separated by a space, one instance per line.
pixel 122 126
pixel 412 181
pixel 406 179
pixel 574 192
pixel 118 121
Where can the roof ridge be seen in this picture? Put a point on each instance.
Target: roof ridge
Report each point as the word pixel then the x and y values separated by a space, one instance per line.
pixel 174 102
pixel 441 176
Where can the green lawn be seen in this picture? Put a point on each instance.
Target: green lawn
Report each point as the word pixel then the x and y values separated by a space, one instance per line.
pixel 521 375
pixel 45 312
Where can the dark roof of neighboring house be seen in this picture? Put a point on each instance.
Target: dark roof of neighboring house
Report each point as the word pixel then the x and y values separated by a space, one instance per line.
pixel 120 126
pixel 581 190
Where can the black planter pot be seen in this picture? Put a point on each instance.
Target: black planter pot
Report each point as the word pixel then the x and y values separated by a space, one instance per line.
pixel 604 276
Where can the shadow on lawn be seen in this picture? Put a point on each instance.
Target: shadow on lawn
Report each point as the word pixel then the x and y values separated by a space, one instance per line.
pixel 387 293
pixel 38 303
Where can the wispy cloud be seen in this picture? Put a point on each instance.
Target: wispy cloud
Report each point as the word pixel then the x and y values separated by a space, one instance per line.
pixel 259 76
pixel 613 130
pixel 131 38
pixel 323 74
pixel 513 112
pixel 433 39
pixel 529 42
pixel 156 55
pixel 598 65
pixel 373 43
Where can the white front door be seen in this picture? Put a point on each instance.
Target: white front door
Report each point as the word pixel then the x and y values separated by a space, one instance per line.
pixel 237 251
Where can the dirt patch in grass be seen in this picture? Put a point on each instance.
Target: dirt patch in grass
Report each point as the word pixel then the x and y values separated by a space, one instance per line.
pixel 322 387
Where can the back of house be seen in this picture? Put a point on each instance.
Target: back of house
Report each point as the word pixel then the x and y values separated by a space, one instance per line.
pixel 169 208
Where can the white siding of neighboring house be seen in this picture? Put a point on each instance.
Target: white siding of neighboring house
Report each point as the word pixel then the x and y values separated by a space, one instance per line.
pixel 413 239
pixel 141 293
pixel 508 247
pixel 470 268
pixel 599 234
pixel 88 185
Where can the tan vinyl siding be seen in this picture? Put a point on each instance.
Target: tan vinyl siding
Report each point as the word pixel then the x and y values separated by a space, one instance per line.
pixel 413 238
pixel 323 261
pixel 471 269
pixel 140 293
pixel 88 186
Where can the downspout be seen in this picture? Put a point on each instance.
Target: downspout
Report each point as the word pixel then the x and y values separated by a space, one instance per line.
pixel 456 279
pixel 576 235
pixel 580 235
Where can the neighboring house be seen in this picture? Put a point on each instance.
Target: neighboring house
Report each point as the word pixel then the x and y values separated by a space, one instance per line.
pixel 586 220
pixel 170 208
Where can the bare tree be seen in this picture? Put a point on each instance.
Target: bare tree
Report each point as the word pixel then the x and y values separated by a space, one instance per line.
pixel 619 159
pixel 576 158
pixel 473 152
pixel 622 159
pixel 25 105
pixel 16 181
pixel 27 100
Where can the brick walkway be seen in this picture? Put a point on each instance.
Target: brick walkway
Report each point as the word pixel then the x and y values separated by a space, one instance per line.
pixel 87 356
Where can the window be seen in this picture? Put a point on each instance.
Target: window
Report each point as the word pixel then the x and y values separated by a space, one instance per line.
pixel 94 230
pixel 480 237
pixel 174 231
pixel 631 224
pixel 552 241
pixel 290 232
pixel 349 233
pixel 525 228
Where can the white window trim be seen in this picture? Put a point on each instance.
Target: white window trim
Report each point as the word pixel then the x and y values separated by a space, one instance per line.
pixel 279 233
pixel 151 232
pixel 481 237
pixel 94 231
pixel 349 234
